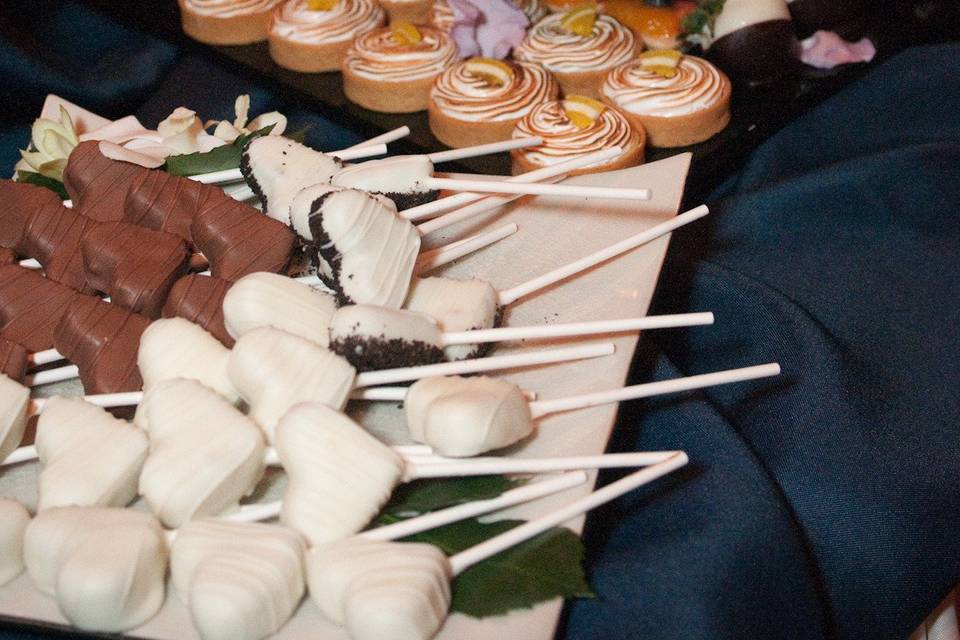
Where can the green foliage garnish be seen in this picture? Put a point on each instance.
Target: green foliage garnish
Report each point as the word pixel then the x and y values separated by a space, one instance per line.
pixel 29 177
pixel 701 21
pixel 422 496
pixel 547 567
pixel 219 159
pixel 300 134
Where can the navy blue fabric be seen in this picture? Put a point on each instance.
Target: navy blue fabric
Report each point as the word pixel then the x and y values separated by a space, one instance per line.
pixel 825 504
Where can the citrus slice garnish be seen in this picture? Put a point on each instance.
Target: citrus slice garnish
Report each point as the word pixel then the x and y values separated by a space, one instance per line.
pixel 322 5
pixel 496 73
pixel 583 111
pixel 405 33
pixel 580 20
pixel 663 62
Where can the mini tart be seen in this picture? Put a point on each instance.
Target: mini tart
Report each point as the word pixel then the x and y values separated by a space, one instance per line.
pixel 311 41
pixel 690 107
pixel 412 11
pixel 227 22
pixel 441 15
pixel 579 63
pixel 466 110
pixel 563 140
pixel 382 74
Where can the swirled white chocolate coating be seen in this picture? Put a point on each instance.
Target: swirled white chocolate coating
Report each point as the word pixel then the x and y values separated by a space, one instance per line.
pixel 14 402
pixel 14 519
pixel 230 8
pixel 462 95
pixel 378 56
pixel 563 140
pixel 609 45
pixel 456 305
pixel 340 476
pixel 295 21
pixel 275 370
pixel 697 85
pixel 241 580
pixel 381 589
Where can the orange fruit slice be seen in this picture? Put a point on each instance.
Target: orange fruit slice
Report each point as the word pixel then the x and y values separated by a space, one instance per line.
pixel 581 20
pixel 405 33
pixel 663 62
pixel 495 73
pixel 322 5
pixel 583 111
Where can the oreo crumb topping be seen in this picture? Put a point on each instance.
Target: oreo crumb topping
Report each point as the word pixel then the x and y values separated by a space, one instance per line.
pixel 247 172
pixel 410 200
pixel 375 353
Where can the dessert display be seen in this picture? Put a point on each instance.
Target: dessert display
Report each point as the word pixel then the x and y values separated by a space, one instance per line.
pixel 481 100
pixel 239 360
pixel 392 69
pixel 314 35
pixel 678 100
pixel 14 519
pixel 227 22
pixel 74 436
pixel 752 40
pixel 579 48
pixel 575 126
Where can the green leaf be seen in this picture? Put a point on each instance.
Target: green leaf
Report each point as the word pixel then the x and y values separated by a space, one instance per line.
pixel 219 159
pixel 29 177
pixel 701 20
pixel 300 134
pixel 548 566
pixel 422 496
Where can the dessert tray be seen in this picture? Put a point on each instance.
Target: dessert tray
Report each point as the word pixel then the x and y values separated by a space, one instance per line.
pixel 552 231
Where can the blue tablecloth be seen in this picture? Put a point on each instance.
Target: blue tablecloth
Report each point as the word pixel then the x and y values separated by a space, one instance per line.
pixel 821 505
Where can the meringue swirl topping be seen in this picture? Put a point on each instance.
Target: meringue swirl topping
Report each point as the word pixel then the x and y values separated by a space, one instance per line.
pixel 697 85
pixel 609 44
pixel 377 55
pixel 562 139
pixel 464 96
pixel 230 8
pixel 295 21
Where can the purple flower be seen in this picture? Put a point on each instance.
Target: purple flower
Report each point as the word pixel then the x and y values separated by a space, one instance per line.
pixel 489 28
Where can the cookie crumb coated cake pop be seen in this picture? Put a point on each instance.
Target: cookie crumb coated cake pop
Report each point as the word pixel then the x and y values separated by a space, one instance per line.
pixel 392 69
pixel 227 21
pixel 314 35
pixel 574 126
pixel 678 100
pixel 480 100
pixel 579 48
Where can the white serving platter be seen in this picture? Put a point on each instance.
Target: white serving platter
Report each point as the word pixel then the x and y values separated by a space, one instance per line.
pixel 552 231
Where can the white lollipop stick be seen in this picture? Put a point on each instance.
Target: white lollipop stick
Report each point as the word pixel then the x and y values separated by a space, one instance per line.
pixel 499 466
pixel 555 171
pixel 355 153
pixel 477 365
pixel 50 376
pixel 544 407
pixel 534 188
pixel 503 334
pixel 434 258
pixel 450 515
pixel 218 177
pixel 385 138
pixel 399 394
pixel 30 263
pixel 509 295
pixel 68 204
pixel 22 454
pixel 483 149
pixel 489 548
pixel 41 358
